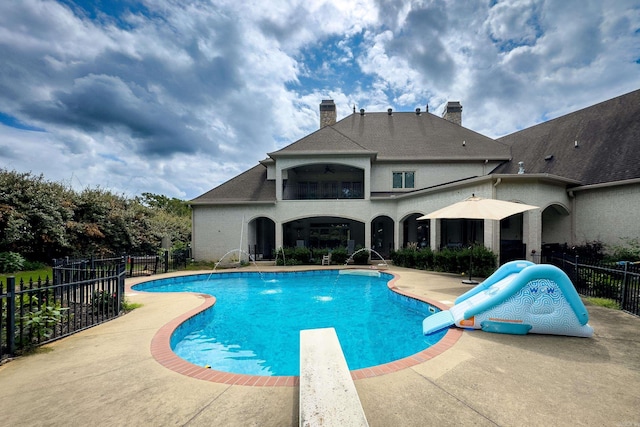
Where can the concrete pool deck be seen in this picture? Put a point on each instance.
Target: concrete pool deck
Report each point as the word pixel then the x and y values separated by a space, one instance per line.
pixel 107 375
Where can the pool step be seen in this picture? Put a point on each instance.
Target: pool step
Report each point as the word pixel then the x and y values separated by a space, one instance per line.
pixel 328 396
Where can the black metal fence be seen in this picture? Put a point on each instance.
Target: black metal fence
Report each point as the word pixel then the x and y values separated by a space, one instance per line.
pixel 80 295
pixel 619 281
pixel 147 265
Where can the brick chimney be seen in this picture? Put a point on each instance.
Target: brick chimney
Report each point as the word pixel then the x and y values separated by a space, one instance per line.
pixel 327 113
pixel 453 112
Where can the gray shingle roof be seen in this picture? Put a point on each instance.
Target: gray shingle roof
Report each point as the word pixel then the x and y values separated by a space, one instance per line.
pixel 608 136
pixel 400 137
pixel 249 186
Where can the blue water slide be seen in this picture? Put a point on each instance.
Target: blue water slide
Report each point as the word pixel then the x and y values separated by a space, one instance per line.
pixel 507 269
pixel 520 297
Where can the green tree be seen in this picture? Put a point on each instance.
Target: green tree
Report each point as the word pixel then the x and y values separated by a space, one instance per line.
pixel 33 215
pixel 43 220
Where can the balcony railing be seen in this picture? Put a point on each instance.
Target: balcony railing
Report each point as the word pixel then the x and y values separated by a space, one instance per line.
pixel 309 190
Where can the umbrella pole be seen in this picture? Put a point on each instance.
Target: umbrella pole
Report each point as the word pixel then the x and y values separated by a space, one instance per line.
pixel 470 280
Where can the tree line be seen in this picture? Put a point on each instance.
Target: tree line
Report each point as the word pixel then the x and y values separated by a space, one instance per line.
pixel 42 220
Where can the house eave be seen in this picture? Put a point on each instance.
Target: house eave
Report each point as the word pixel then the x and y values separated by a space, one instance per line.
pixel 231 202
pixel 306 153
pixel 435 159
pixel 606 184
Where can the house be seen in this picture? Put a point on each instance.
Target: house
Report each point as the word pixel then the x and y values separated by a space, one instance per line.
pixel 364 180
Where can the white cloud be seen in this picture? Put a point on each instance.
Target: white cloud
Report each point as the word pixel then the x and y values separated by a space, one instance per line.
pixel 178 97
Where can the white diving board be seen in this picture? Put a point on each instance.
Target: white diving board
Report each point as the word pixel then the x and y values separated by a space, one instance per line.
pixel 328 396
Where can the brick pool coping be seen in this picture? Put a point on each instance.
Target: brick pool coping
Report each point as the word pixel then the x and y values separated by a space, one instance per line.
pixel 161 351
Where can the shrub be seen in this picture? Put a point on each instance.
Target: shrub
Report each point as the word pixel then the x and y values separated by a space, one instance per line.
pixel 424 259
pixel 317 254
pixel 593 250
pixel 293 256
pixel 40 320
pixel 339 256
pixel 629 251
pixel 361 258
pixel 104 302
pixel 10 262
pixel 405 257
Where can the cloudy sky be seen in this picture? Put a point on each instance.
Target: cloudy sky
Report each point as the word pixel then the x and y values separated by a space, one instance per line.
pixel 177 96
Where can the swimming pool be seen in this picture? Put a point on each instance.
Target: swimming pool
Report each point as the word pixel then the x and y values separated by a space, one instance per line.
pixel 254 326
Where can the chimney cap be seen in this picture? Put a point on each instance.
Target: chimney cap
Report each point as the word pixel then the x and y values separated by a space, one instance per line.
pixel 389 111
pixel 418 111
pixel 453 106
pixel 327 105
pixel 362 111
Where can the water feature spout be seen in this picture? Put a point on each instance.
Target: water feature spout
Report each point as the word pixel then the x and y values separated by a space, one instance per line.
pixel 284 261
pixel 371 251
pixel 240 252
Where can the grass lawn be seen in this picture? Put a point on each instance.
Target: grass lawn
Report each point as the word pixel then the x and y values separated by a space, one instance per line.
pixel 43 273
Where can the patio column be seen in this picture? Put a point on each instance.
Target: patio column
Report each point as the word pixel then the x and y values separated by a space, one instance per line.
pixel 367 234
pixel 532 231
pixel 279 233
pixel 435 234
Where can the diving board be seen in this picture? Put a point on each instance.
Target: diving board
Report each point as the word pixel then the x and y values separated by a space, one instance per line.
pixel 328 396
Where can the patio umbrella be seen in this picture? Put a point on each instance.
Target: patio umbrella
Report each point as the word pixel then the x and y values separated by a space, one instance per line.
pixel 479 208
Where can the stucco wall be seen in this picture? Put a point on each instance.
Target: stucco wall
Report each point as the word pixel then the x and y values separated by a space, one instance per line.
pixel 426 175
pixel 608 214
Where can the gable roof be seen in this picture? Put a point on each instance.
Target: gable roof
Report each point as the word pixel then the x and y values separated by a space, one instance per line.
pixel 250 186
pixel 400 137
pixel 608 143
pixel 326 140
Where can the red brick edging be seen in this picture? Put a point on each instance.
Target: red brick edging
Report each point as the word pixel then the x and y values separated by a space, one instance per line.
pixel 161 351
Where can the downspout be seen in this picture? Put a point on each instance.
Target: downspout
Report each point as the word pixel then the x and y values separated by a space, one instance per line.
pixel 495 244
pixel 494 192
pixel 572 215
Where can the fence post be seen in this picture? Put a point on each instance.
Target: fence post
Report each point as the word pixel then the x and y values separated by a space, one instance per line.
pixel 121 272
pixel 624 286
pixel 11 315
pixel 166 261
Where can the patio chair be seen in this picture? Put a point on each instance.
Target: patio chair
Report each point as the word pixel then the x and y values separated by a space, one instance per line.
pixel 326 259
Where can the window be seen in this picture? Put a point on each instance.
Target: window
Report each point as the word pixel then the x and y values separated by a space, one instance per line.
pixel 403 179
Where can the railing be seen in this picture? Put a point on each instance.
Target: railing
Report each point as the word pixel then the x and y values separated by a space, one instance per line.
pixel 82 293
pixel 79 296
pixel 619 281
pixel 313 190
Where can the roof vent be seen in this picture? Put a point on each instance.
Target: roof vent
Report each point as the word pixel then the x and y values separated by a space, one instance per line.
pixel 418 111
pixel 389 111
pixel 575 144
pixel 520 168
pixel 427 110
pixel 362 111
pixel 464 143
pixel 549 157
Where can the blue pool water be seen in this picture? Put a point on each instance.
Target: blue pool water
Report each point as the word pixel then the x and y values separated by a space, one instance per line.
pixel 254 327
